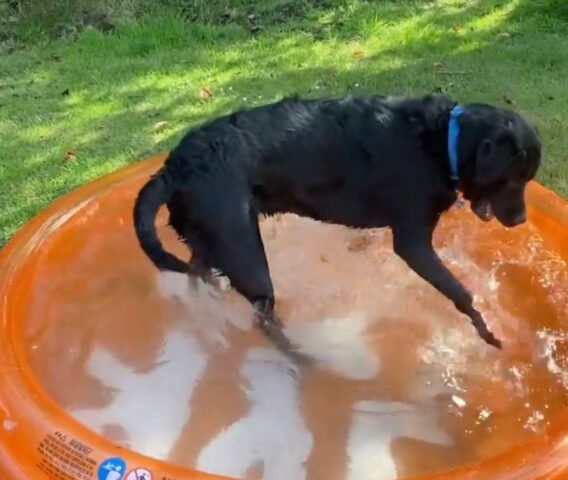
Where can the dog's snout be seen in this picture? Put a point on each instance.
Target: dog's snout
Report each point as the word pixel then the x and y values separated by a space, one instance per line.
pixel 517 219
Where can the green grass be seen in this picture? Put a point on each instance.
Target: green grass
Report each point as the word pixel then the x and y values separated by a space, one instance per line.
pixel 100 95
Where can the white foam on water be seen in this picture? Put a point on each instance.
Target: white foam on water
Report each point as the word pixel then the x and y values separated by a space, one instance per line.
pixel 550 340
pixel 459 401
pixel 535 421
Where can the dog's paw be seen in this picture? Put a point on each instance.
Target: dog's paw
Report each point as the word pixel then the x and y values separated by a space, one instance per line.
pixel 268 323
pixel 479 323
pixel 492 340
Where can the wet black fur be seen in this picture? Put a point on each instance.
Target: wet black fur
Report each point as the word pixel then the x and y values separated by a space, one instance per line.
pixel 360 161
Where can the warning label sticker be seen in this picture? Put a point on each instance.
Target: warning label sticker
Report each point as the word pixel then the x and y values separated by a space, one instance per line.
pixel 139 474
pixel 65 459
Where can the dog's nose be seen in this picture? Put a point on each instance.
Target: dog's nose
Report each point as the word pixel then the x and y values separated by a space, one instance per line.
pixel 519 218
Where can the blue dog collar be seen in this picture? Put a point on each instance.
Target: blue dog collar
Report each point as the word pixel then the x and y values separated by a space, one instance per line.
pixel 453 136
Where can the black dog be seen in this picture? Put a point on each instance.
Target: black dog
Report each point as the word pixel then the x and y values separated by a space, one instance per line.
pixel 360 161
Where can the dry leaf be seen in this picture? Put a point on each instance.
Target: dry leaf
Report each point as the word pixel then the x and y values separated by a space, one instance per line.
pixel 437 65
pixel 159 126
pixel 358 53
pixel 205 93
pixel 70 155
pixel 508 100
pixel 457 27
pixel 504 35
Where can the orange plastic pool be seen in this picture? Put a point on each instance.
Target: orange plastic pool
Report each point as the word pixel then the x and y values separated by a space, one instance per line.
pixel 109 370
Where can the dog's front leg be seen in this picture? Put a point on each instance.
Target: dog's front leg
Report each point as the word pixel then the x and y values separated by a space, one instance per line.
pixel 414 246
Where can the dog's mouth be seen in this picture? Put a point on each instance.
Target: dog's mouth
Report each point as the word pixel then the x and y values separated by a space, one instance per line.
pixel 482 208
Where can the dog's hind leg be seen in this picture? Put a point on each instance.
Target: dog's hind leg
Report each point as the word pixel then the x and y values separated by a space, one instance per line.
pixel 181 220
pixel 236 249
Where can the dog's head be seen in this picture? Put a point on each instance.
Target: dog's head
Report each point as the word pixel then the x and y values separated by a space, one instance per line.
pixel 502 152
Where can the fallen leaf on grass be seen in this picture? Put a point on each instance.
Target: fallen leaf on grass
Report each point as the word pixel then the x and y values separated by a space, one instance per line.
pixel 159 126
pixel 205 93
pixel 457 27
pixel 70 156
pixel 358 53
pixel 504 35
pixel 437 65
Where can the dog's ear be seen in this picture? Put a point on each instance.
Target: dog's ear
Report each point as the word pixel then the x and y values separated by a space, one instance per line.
pixel 495 153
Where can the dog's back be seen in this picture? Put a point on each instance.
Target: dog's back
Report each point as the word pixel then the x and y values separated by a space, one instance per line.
pixel 312 157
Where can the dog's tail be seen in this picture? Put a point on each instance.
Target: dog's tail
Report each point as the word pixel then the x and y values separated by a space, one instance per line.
pixel 157 191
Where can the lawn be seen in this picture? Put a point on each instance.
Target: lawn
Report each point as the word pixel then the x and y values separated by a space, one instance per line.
pixel 77 107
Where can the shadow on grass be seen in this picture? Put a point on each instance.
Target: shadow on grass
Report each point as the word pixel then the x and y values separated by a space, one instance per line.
pixel 100 96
